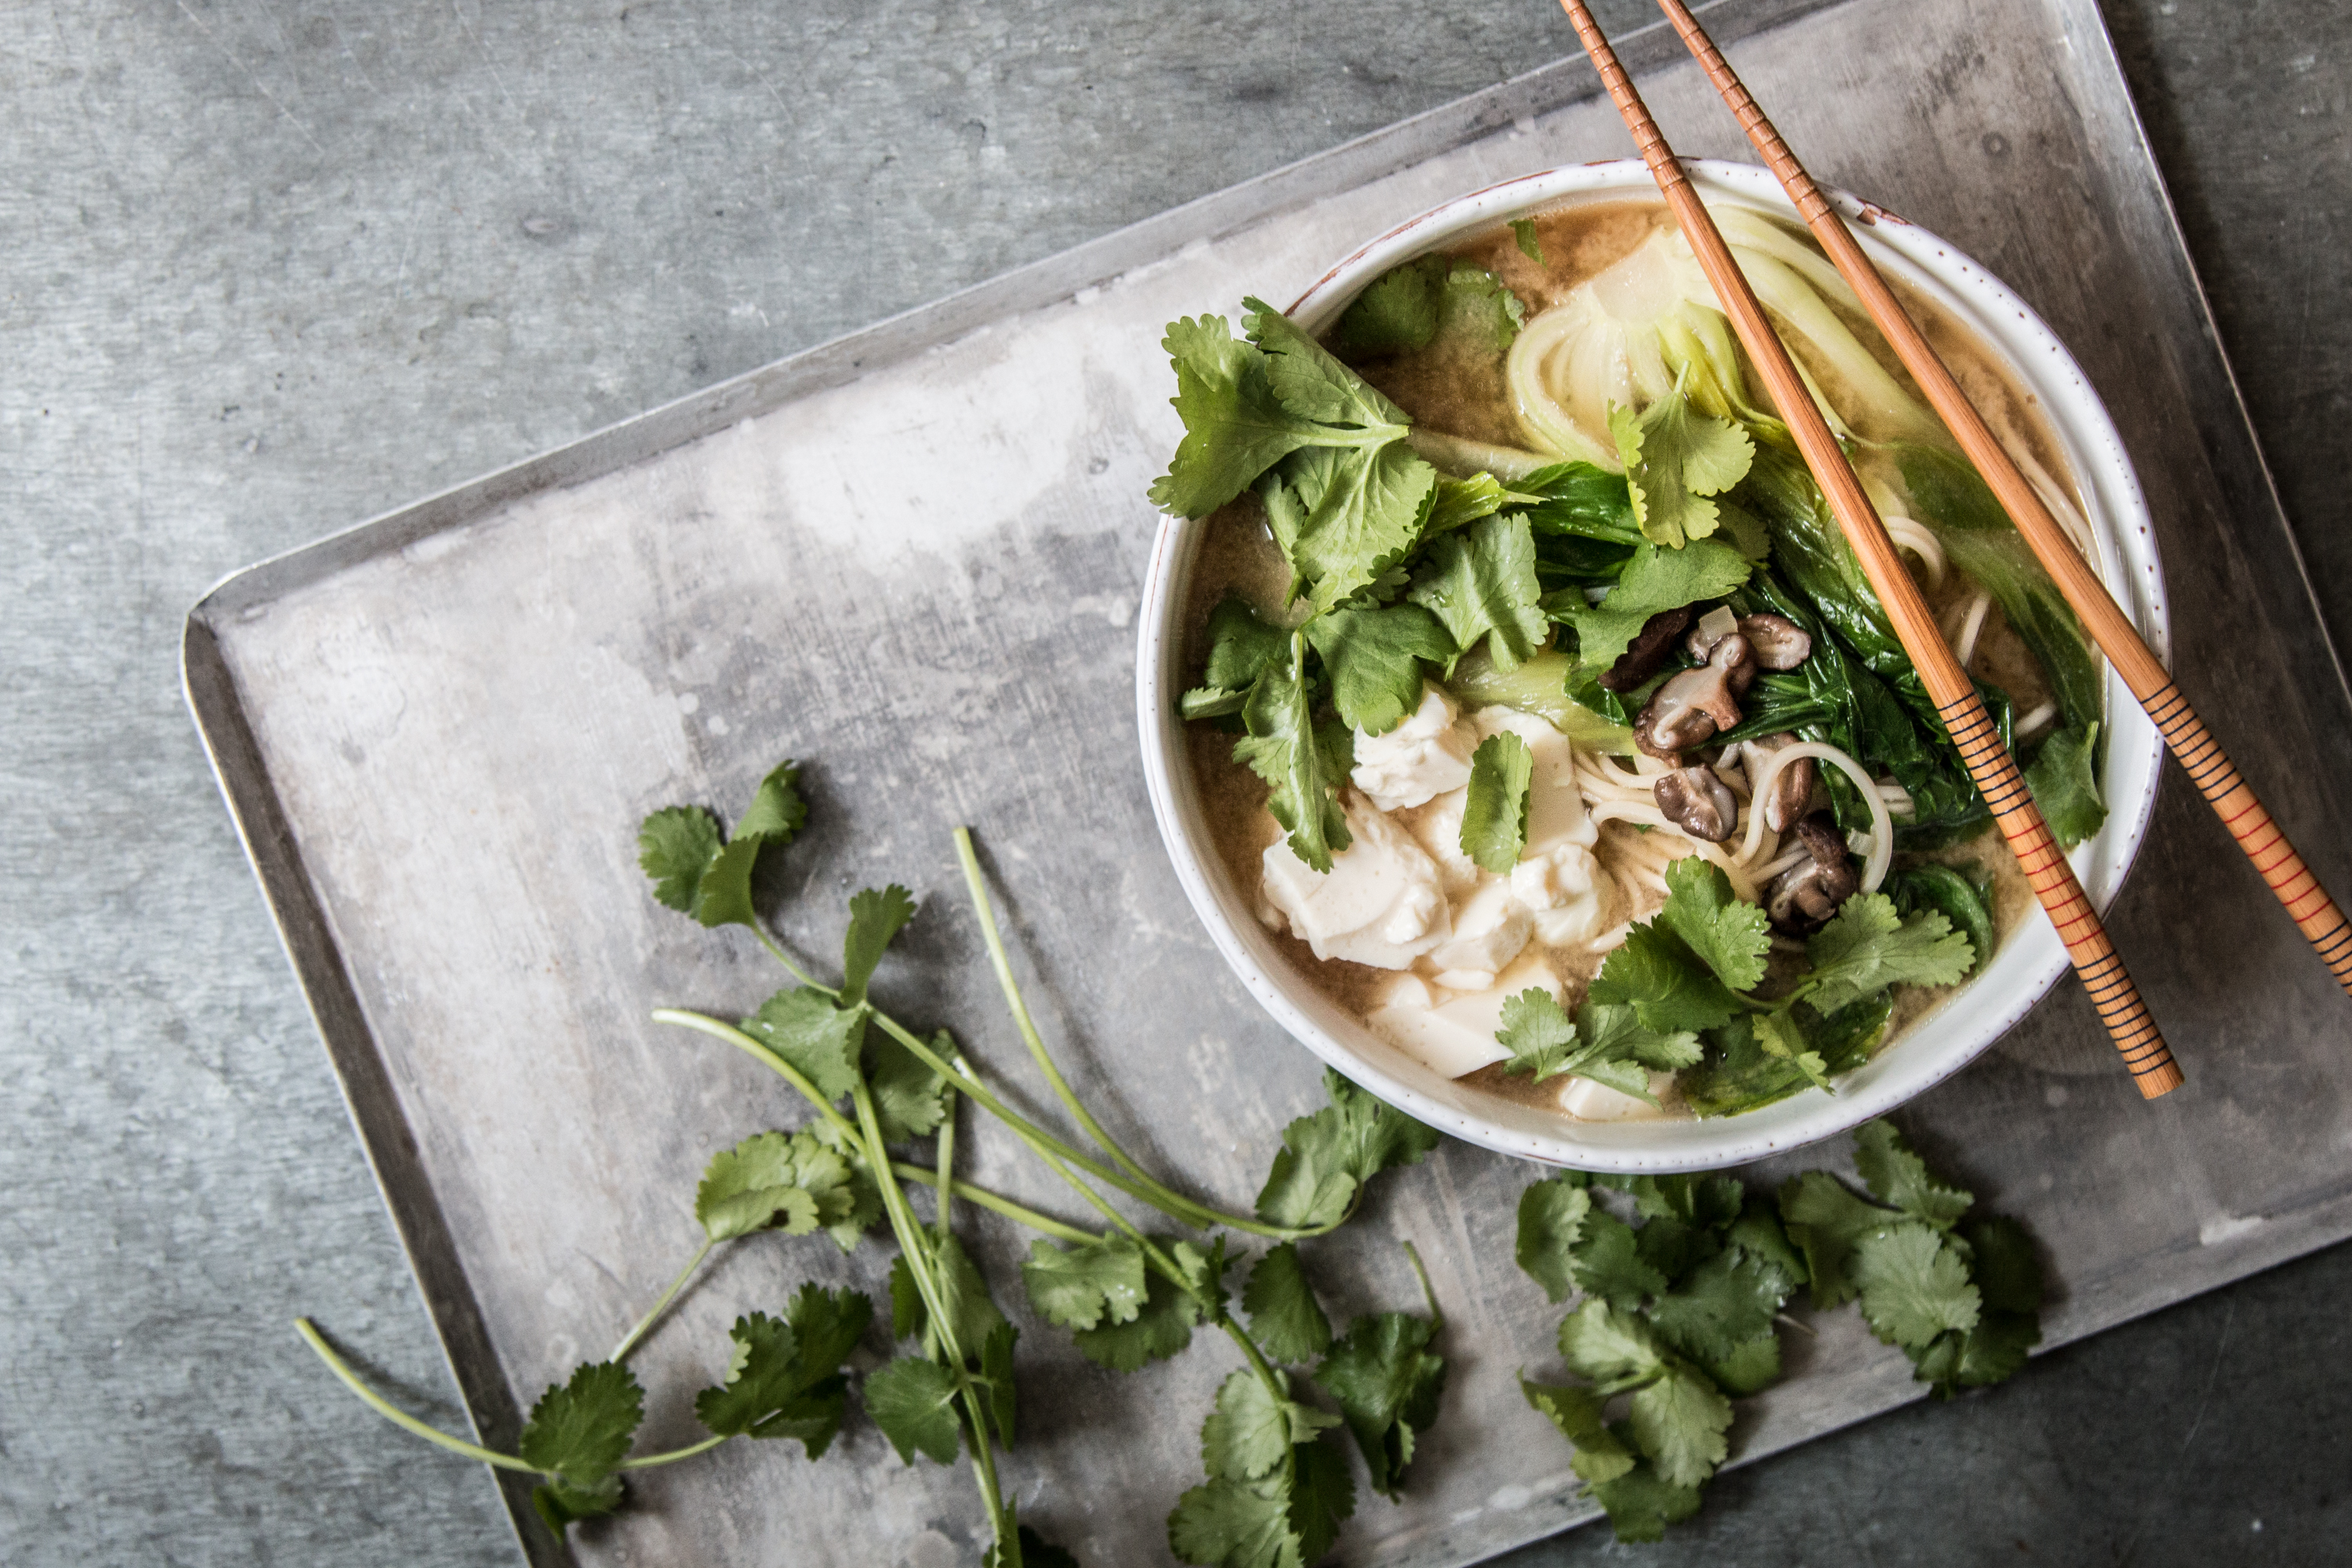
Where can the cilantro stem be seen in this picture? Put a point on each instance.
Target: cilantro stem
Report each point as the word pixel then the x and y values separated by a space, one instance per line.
pixel 1138 1183
pixel 1019 1213
pixel 781 956
pixel 652 1460
pixel 1436 1314
pixel 394 1414
pixel 1002 963
pixel 743 1042
pixel 946 1173
pixel 629 1342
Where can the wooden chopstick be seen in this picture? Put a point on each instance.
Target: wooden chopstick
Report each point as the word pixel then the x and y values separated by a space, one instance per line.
pixel 2209 769
pixel 1989 762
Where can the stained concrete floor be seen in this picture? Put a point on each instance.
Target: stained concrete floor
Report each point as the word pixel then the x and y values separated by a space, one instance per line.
pixel 270 267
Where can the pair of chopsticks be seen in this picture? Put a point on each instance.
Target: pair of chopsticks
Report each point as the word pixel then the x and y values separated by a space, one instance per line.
pixel 1995 772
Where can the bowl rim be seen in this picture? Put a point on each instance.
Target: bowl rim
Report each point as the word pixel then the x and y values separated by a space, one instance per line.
pixel 2027 964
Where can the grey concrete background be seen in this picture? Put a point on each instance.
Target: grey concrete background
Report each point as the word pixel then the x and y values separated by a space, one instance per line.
pixel 267 269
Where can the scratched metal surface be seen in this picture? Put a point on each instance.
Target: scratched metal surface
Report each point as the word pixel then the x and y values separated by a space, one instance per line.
pixel 437 729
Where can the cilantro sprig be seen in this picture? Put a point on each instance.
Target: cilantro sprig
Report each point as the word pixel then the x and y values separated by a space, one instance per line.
pixel 1678 1314
pixel 1279 1479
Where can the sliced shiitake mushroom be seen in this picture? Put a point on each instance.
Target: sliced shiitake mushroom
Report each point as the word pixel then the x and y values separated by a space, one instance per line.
pixel 1698 803
pixel 1647 653
pixel 1778 642
pixel 1694 706
pixel 1803 898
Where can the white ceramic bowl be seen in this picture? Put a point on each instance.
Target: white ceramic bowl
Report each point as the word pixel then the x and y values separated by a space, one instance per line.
pixel 2028 962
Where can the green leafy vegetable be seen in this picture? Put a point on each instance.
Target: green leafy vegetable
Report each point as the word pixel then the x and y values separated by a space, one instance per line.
pixel 1388 1384
pixel 1079 1288
pixel 784 1379
pixel 777 812
pixel 1495 814
pixel 910 1099
pixel 675 846
pixel 1577 1411
pixel 577 1436
pixel 1236 426
pixel 1730 936
pixel 1898 1178
pixel 1285 1318
pixel 875 917
pixel 1945 892
pixel 1911 1285
pixel 1551 1222
pixel 1254 1428
pixel 2064 780
pixel 772 1181
pixel 1327 1158
pixel 1655 580
pixel 1408 307
pixel 1523 230
pixel 1374 658
pixel 1675 460
pixel 1666 984
pixel 820 1041
pixel 912 1401
pixel 1161 1327
pixel 1480 582
pixel 1240 648
pixel 1303 765
pixel 1866 947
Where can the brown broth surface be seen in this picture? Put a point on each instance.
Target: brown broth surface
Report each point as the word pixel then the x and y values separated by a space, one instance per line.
pixel 1461 393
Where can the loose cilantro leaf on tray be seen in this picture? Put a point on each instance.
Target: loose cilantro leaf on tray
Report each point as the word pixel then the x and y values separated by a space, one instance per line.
pixel 912 1401
pixel 1551 1222
pixel 1082 1286
pixel 772 1181
pixel 1285 1318
pixel 1327 1158
pixel 1388 1384
pixel 784 1379
pixel 577 1436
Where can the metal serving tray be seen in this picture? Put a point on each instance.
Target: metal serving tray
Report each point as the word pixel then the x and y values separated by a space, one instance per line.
pixel 912 557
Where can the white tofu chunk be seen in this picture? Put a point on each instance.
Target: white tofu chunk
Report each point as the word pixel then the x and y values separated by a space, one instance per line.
pixel 1589 1102
pixel 1454 1034
pixel 1380 904
pixel 1490 927
pixel 1564 892
pixel 1423 757
pixel 1437 826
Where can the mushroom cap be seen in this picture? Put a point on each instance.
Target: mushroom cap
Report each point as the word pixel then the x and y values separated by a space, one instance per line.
pixel 1647 652
pixel 1698 803
pixel 1803 898
pixel 1778 642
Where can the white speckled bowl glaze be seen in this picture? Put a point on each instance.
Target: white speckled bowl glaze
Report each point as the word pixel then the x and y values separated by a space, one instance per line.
pixel 2029 961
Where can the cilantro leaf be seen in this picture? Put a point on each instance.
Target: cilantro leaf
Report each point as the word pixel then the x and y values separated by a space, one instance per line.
pixel 2064 780
pixel 1460 502
pixel 1162 1326
pixel 784 1379
pixel 1409 306
pixel 1495 815
pixel 1826 1223
pixel 910 1101
pixel 1913 1285
pixel 1739 1074
pixel 1867 947
pixel 1703 1201
pixel 723 896
pixel 1240 648
pixel 1577 1411
pixel 1302 766
pixel 995 1379
pixel 1388 1382
pixel 913 1403
pixel 1996 1349
pixel 777 812
pixel 1523 230
pixel 1674 1249
pixel 1234 426
pixel 1899 1178
pixel 823 1042
pixel 1608 1264
pixel 1227 1523
pixel 875 917
pixel 1780 1035
pixel 1663 981
pixel 1652 580
pixel 774 1181
pixel 1729 935
pixel 1674 460
pixel 1310 380
pixel 1613 1346
pixel 864 1205
pixel 1481 582
pixel 1322 1498
pixel 1328 1157
pixel 1357 514
pixel 1751 1366
pixel 675 846
pixel 578 1434
pixel 1552 1212
pixel 1679 1422
pixel 1285 1318
pixel 1758 1232
pixel 1374 658
pixel 972 1311
pixel 908 1313
pixel 1252 1431
pixel 1477 312
pixel 1726 1299
pixel 1613 1031
pixel 1078 1287
pixel 2006 1270
pixel 1642 1503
